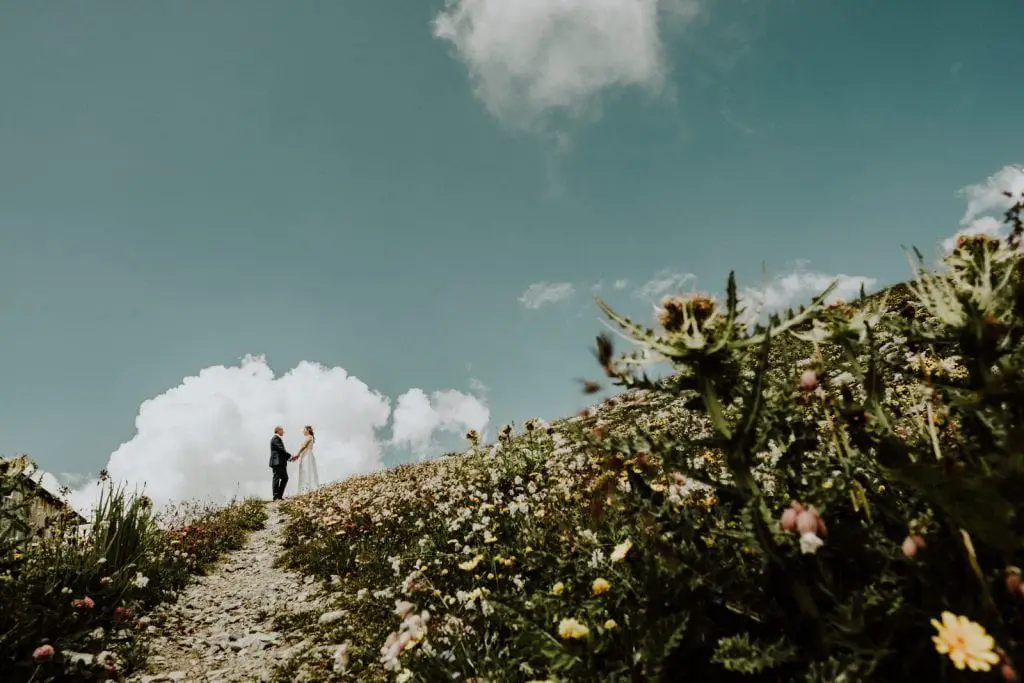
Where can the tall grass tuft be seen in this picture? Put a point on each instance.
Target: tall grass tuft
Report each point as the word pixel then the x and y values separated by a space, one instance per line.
pixel 74 603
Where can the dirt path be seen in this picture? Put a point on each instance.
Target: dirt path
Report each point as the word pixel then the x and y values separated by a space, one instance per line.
pixel 222 626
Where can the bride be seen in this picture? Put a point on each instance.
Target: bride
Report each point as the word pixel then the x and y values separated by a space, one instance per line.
pixel 308 477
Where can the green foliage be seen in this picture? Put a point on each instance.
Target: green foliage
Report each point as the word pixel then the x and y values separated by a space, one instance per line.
pixel 16 493
pixel 737 653
pixel 85 594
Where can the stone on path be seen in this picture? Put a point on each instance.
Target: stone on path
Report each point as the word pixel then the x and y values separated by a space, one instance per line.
pixel 221 628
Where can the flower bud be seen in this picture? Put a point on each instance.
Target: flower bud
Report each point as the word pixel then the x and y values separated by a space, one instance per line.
pixel 822 529
pixel 807 522
pixel 789 519
pixel 808 380
pixel 43 653
pixel 1013 583
pixel 909 547
pixel 1008 673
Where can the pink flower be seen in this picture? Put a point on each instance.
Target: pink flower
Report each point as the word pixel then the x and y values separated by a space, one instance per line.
pixel 85 602
pixel 122 612
pixel 911 544
pixel 808 380
pixel 43 652
pixel 807 521
pixel 789 519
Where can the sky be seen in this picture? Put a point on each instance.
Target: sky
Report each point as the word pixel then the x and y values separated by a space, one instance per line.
pixel 389 219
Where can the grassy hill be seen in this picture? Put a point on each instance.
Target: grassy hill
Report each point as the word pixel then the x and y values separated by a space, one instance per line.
pixel 836 502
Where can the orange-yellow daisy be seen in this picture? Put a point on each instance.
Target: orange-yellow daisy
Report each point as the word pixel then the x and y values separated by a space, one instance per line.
pixel 965 643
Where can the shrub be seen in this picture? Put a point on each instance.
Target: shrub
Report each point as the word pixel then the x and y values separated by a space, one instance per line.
pixel 74 604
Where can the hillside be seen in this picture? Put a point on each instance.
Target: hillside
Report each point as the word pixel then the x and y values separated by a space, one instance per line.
pixel 660 532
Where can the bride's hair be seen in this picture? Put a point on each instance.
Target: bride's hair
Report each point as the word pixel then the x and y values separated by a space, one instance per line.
pixel 310 430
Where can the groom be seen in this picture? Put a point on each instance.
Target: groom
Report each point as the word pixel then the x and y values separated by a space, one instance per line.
pixel 279 458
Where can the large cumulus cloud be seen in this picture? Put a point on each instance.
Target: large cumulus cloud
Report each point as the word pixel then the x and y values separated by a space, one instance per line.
pixel 208 437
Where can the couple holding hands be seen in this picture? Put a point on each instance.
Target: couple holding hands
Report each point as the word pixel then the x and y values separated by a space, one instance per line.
pixel 279 459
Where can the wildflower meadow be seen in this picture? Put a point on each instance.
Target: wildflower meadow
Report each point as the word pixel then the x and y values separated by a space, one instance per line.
pixel 833 494
pixel 829 494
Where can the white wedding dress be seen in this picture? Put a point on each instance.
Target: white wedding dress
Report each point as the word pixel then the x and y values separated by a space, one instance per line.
pixel 309 479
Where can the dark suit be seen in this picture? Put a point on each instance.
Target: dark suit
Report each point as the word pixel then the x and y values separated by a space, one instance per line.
pixel 279 465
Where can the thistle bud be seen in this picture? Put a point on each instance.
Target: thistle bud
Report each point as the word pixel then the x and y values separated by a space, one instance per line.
pixel 672 313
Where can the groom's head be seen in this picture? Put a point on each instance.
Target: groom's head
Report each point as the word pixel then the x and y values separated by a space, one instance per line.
pixel 279 430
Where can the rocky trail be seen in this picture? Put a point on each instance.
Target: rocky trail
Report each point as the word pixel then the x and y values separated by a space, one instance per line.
pixel 221 629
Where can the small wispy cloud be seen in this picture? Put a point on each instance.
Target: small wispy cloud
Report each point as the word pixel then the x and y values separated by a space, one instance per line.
pixel 617 285
pixel 528 58
pixel 986 201
pixel 798 287
pixel 733 121
pixel 543 293
pixel 664 282
pixel 478 387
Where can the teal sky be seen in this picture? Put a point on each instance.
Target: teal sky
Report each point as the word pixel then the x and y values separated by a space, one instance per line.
pixel 183 183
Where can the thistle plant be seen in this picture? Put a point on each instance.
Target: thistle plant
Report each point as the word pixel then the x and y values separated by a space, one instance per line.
pixel 865 463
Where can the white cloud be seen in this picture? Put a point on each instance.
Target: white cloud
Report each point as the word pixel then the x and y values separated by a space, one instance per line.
pixel 418 418
pixel 621 284
pixel 799 287
pixel 541 293
pixel 208 438
pixel 986 199
pixel 530 57
pixel 664 282
pixel 478 387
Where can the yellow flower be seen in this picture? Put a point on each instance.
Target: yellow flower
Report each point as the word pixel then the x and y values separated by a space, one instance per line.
pixel 610 625
pixel 572 629
pixel 619 554
pixel 965 642
pixel 470 565
pixel 601 586
pixel 558 588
